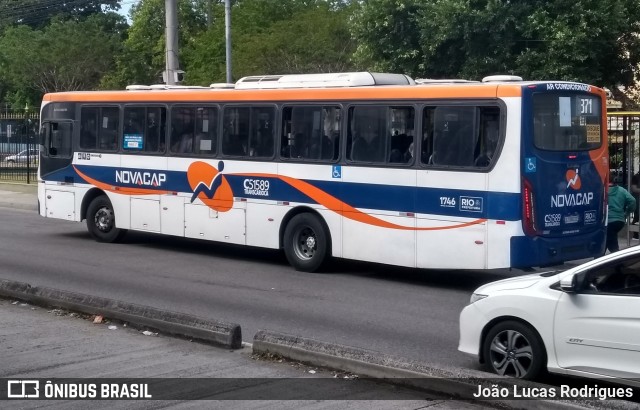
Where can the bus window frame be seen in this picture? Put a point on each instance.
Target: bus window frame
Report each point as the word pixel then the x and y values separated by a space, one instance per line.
pixel 169 126
pixel 280 135
pixel 46 139
pixel 123 107
pixel 250 105
pixel 558 93
pixel 76 139
pixel 417 122
pixel 502 132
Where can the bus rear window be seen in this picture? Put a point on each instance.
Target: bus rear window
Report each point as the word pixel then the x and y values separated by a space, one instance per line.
pixel 566 122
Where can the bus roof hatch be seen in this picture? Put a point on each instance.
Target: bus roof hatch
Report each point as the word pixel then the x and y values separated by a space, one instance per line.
pixel 357 79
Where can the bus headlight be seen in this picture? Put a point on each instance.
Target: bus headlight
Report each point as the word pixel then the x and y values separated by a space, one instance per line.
pixel 476 297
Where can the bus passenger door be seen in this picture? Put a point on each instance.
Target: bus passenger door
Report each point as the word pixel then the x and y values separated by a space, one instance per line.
pixel 451 229
pixel 379 224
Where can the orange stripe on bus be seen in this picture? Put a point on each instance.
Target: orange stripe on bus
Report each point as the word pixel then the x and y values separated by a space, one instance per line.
pixel 346 210
pixel 318 94
pixel 318 195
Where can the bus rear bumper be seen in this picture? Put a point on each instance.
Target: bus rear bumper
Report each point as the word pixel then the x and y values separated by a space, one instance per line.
pixel 530 251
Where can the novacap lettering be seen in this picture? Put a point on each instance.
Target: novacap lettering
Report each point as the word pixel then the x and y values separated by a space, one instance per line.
pixel 140 178
pixel 560 201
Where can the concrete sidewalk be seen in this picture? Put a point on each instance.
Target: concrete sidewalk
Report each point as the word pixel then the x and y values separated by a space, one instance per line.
pixel 19 196
pixel 37 342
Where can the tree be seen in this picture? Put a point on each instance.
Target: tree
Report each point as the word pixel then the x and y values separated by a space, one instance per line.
pixel 143 56
pixel 287 36
pixel 39 13
pixel 593 41
pixel 66 55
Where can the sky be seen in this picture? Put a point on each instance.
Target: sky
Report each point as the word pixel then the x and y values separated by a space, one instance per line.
pixel 125 6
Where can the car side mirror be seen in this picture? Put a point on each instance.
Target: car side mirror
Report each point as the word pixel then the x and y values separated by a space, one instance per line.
pixel 569 284
pixel 53 151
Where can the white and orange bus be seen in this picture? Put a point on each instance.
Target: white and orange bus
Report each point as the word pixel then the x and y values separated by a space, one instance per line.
pixel 363 166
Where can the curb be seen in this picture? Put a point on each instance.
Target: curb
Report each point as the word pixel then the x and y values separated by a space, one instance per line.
pixel 224 334
pixel 455 382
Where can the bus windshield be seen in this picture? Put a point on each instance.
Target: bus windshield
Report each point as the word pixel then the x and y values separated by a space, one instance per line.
pixel 564 122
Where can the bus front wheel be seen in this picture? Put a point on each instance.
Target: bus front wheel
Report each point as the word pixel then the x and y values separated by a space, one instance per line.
pixel 101 221
pixel 306 242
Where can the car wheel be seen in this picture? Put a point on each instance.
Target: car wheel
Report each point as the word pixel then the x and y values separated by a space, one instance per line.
pixel 101 221
pixel 514 349
pixel 306 242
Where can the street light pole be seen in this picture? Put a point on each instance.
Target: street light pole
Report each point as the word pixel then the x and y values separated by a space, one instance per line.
pixel 227 32
pixel 171 58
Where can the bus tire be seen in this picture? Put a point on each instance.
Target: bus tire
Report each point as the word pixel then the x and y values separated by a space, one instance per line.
pixel 306 242
pixel 101 221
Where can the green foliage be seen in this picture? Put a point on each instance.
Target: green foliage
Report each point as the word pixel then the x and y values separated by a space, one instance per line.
pixel 593 41
pixel 66 55
pixel 143 57
pixel 293 36
pixel 39 13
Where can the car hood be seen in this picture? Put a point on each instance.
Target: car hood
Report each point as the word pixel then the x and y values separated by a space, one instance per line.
pixel 519 282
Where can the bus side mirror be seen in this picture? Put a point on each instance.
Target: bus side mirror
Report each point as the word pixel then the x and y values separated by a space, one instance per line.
pixel 569 284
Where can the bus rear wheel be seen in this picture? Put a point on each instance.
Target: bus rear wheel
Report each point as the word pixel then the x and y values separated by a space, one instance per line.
pixel 101 221
pixel 306 242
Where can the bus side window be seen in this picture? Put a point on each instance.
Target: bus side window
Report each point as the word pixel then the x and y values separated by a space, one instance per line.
pixel 89 127
pixel 426 151
pixel 455 136
pixel 206 131
pixel 369 133
pixel 108 124
pixel 182 128
pixel 235 131
pixel 133 129
pixel 489 136
pixel 310 133
pixel 155 129
pixel 261 132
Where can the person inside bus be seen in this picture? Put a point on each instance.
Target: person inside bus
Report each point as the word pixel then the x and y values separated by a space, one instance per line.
pixel 132 124
pixel 153 132
pixel 88 134
pixel 182 131
pixel 489 144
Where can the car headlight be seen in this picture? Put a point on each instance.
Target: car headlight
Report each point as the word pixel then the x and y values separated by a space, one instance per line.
pixel 476 297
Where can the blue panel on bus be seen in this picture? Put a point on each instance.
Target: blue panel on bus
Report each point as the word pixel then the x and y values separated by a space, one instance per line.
pixel 390 198
pixel 527 251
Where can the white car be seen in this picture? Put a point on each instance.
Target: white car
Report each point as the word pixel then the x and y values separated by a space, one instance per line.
pixel 584 321
pixel 22 158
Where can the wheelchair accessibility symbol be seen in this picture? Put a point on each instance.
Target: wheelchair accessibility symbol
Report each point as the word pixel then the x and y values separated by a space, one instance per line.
pixel 530 165
pixel 336 172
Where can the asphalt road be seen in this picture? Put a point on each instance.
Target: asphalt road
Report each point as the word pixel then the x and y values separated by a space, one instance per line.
pixel 402 312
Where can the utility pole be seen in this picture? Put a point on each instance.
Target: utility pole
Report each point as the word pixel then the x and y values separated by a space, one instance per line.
pixel 171 58
pixel 227 32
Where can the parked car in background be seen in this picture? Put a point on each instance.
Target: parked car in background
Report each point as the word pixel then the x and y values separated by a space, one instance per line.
pixel 22 157
pixel 583 322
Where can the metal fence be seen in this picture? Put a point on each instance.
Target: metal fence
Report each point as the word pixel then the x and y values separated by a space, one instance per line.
pixel 19 146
